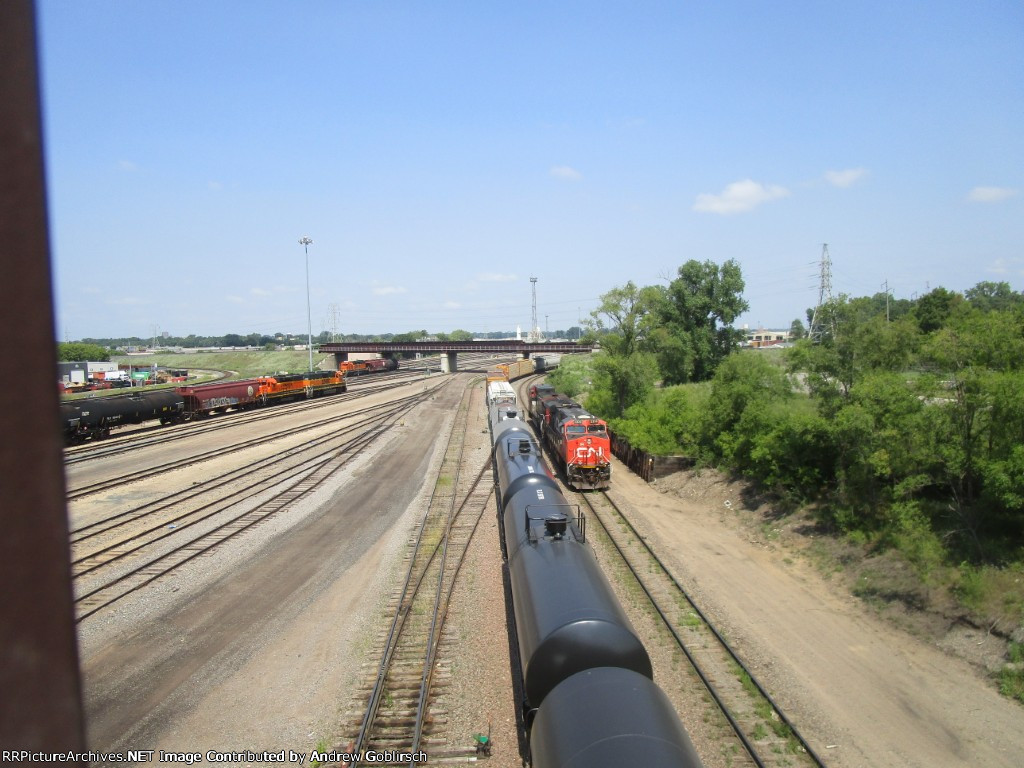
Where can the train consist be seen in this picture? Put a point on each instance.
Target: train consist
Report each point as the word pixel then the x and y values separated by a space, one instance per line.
pixel 578 440
pixel 520 368
pixel 589 699
pixel 375 365
pixel 94 417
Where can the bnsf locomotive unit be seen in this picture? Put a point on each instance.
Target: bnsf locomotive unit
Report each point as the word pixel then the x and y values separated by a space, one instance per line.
pixel 578 440
pixel 376 365
pixel 589 699
pixel 94 417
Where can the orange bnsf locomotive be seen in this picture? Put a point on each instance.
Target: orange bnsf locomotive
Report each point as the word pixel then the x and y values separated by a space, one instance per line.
pixel 577 440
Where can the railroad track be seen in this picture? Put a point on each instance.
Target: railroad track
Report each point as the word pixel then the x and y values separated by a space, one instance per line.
pixel 169 540
pixel 216 453
pixel 755 730
pixel 404 706
pixel 163 434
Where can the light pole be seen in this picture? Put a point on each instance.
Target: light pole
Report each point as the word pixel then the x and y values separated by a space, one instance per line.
pixel 306 242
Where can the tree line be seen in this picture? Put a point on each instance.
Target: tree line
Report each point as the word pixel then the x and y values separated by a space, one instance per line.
pixel 900 422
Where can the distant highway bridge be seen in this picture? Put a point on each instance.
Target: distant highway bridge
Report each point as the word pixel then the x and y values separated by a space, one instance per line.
pixel 449 350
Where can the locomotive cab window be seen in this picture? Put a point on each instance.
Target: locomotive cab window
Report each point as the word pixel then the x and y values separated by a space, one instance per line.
pixel 575 429
pixel 596 428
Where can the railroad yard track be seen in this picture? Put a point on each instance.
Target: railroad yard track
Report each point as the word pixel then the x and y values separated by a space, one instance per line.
pixel 162 434
pixel 81 491
pixel 120 554
pixel 404 701
pixel 753 728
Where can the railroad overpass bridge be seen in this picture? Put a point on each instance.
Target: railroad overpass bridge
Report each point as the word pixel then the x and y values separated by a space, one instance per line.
pixel 449 350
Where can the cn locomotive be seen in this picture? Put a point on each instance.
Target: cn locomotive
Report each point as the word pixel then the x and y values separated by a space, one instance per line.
pixel 578 440
pixel 588 696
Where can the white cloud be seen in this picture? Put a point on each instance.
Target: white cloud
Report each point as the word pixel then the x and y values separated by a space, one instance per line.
pixel 565 173
pixel 845 178
pixel 214 185
pixel 260 292
pixel 452 305
pixel 991 194
pixel 127 165
pixel 128 301
pixel 496 277
pixel 235 299
pixel 738 197
pixel 1007 266
pixel 387 290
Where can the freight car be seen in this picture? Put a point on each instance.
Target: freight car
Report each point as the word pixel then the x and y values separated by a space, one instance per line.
pixel 578 440
pixel 610 717
pixel 93 418
pixel 581 662
pixel 500 392
pixel 517 370
pixel 545 546
pixel 374 365
pixel 204 399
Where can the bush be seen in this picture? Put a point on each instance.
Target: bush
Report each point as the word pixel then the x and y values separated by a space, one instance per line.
pixel 573 375
pixel 668 422
pixel 791 448
pixel 993 597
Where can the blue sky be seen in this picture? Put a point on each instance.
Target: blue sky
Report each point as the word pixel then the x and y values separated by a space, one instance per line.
pixel 439 154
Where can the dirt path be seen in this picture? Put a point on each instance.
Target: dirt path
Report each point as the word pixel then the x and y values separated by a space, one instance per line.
pixel 862 692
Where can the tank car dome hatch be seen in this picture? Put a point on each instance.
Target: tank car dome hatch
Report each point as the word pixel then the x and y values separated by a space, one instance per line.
pixel 555 525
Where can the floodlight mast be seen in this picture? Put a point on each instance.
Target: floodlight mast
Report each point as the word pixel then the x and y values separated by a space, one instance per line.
pixel 306 242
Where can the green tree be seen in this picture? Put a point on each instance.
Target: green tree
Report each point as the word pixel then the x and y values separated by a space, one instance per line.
pixel 743 386
pixel 934 309
pixel 987 296
pixel 857 340
pixel 669 421
pixel 72 352
pixel 698 309
pixel 993 340
pixel 621 381
pixel 623 320
pixel 573 376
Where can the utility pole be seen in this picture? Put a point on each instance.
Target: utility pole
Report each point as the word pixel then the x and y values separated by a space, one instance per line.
pixel 885 287
pixel 305 242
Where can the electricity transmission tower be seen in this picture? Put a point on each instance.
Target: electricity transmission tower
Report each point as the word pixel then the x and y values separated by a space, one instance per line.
pixel 824 296
pixel 333 310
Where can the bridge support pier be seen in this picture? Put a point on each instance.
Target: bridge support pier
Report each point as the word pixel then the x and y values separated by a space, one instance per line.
pixel 449 362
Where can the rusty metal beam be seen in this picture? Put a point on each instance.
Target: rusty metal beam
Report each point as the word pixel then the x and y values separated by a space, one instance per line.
pixel 40 692
pixel 498 345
